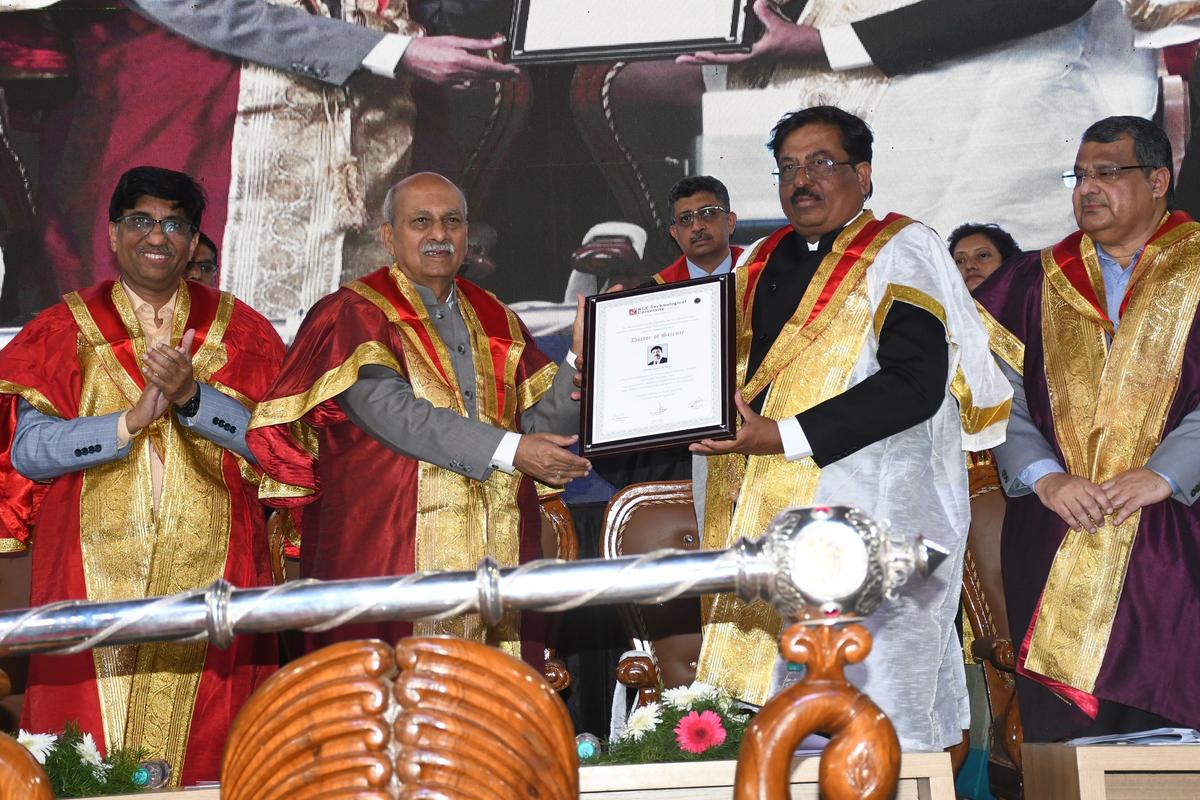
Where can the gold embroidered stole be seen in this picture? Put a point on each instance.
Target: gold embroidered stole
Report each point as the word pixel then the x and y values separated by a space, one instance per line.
pixel 810 361
pixel 461 520
pixel 1109 408
pixel 147 692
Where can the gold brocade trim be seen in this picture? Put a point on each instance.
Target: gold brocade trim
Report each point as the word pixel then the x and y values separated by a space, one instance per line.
pixel 1055 279
pixel 741 640
pixel 31 396
pixel 906 294
pixel 535 386
pixel 147 692
pixel 269 488
pixel 416 348
pixel 459 520
pixel 974 419
pixel 795 335
pixel 283 410
pixel 12 546
pixel 1109 415
pixel 1003 343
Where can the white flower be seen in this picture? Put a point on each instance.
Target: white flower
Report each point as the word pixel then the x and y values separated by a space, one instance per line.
pixel 38 744
pixel 642 720
pixel 684 697
pixel 88 751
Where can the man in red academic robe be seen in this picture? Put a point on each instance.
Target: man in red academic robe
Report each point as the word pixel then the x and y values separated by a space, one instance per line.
pixel 123 464
pixel 701 224
pixel 410 418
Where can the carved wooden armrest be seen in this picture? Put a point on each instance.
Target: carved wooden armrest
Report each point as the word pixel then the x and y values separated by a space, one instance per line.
pixel 640 672
pixel 997 650
pixel 555 672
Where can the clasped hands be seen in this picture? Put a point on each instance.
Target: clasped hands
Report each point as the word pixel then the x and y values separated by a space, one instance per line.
pixel 1083 505
pixel 169 380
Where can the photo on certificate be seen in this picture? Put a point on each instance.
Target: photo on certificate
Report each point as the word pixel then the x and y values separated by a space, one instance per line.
pixel 549 31
pixel 658 366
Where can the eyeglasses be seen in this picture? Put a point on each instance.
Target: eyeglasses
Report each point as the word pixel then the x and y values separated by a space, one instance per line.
pixel 143 224
pixel 204 266
pixel 1105 174
pixel 706 214
pixel 815 168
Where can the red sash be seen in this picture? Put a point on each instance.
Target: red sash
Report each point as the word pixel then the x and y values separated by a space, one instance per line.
pixel 846 259
pixel 678 270
pixel 1085 278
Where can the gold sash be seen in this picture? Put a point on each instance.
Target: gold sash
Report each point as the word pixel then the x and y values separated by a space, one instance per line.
pixel 147 692
pixel 809 362
pixel 1109 408
pixel 461 520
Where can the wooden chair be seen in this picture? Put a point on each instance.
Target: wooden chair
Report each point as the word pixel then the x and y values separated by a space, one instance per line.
pixel 560 541
pixel 983 601
pixel 640 519
pixel 436 716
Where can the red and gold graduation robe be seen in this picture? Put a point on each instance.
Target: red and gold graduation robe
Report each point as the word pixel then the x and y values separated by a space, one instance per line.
pixel 370 511
pixel 96 536
pixel 678 270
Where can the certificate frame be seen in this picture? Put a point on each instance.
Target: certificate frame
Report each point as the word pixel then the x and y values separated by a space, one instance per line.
pixel 533 18
pixel 722 384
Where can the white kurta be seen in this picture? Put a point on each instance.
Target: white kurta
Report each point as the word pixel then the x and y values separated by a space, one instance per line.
pixel 917 480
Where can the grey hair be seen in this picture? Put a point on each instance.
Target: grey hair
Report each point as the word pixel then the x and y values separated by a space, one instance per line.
pixel 389 200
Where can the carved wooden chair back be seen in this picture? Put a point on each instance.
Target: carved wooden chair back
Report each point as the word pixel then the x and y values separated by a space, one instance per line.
pixel 983 602
pixel 641 518
pixel 434 717
pixel 559 540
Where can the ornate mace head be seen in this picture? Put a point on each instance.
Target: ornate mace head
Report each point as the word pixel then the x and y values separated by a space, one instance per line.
pixel 834 563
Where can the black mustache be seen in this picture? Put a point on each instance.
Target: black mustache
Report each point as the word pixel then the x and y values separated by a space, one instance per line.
pixel 804 192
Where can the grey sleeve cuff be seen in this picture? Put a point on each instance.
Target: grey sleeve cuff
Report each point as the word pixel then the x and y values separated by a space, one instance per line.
pixel 1176 459
pixel 46 447
pixel 222 420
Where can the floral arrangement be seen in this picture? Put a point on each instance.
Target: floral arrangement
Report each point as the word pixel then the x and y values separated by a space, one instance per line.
pixel 692 723
pixel 76 769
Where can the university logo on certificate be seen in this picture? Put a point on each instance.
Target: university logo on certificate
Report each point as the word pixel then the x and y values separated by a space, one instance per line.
pixel 658 366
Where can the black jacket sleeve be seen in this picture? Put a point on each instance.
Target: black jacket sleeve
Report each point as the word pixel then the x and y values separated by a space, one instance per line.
pixel 914 364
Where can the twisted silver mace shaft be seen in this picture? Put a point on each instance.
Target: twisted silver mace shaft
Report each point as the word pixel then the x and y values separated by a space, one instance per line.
pixel 777 568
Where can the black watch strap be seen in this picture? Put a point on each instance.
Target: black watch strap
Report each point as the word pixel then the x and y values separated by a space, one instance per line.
pixel 190 408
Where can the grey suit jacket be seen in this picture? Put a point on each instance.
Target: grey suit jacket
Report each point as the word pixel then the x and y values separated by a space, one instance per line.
pixel 45 447
pixel 288 39
pixel 383 404
pixel 1176 456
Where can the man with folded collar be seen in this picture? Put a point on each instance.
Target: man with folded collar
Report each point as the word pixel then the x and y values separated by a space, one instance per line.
pixel 864 373
pixel 123 464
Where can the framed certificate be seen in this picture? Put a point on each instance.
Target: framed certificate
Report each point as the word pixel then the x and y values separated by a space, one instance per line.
pixel 549 31
pixel 658 366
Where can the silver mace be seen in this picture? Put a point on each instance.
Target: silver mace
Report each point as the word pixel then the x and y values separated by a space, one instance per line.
pixel 824 564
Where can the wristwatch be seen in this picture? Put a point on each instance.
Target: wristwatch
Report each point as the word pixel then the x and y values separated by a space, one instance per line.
pixel 190 408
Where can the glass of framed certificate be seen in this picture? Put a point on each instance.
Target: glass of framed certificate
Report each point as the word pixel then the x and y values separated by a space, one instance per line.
pixel 548 31
pixel 658 366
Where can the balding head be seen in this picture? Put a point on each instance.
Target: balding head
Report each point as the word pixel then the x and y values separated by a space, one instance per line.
pixel 426 231
pixel 389 199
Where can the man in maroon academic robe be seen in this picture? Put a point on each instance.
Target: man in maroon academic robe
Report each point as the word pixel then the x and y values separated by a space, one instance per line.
pixel 1101 539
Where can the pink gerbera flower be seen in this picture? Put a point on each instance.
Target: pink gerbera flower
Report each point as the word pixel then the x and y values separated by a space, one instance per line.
pixel 698 732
